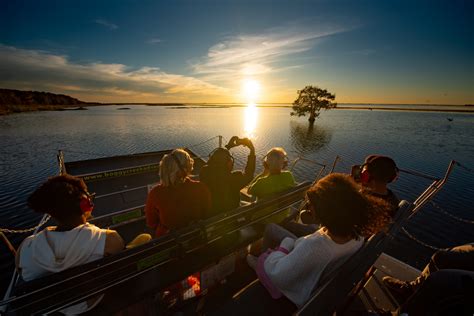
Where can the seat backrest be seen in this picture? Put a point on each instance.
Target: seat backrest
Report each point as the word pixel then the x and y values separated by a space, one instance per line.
pixel 334 287
pixel 63 287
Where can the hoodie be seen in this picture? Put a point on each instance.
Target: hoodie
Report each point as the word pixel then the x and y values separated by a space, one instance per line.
pixel 50 251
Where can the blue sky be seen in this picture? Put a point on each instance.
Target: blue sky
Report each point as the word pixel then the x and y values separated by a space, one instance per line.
pixel 240 51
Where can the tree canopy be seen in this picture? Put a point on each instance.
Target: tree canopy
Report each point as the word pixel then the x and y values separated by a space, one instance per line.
pixel 311 100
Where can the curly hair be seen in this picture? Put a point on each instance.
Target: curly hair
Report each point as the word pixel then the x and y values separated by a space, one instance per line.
pixel 59 197
pixel 344 210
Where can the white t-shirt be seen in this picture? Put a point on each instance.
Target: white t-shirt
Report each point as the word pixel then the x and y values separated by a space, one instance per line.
pixel 296 274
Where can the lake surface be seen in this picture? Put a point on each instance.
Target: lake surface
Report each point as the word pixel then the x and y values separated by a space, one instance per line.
pixel 424 141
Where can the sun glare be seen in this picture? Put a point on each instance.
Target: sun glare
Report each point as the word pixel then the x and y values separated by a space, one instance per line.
pixel 250 120
pixel 251 90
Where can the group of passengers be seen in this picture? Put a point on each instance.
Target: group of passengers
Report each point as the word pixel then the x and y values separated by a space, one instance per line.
pixel 341 210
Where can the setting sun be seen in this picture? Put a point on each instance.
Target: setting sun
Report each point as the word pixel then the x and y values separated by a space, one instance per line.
pixel 251 90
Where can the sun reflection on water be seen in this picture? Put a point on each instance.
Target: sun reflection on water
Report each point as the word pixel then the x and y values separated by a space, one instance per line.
pixel 250 120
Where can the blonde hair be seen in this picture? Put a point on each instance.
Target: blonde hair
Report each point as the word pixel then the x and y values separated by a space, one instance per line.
pixel 175 167
pixel 276 158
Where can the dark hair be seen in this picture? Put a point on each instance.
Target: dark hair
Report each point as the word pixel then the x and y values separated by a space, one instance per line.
pixel 219 159
pixel 381 168
pixel 59 197
pixel 346 211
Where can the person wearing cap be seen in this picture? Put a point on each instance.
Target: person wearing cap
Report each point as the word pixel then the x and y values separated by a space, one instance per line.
pixel 224 182
pixel 273 179
pixel 177 200
pixel 374 176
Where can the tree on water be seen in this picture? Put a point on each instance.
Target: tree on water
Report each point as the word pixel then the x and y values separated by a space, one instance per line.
pixel 311 100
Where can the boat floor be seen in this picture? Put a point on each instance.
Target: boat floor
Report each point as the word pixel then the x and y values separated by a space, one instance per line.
pixel 375 295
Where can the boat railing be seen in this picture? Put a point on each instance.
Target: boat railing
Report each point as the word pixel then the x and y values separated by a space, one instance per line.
pixel 80 283
pixel 351 277
pixel 433 189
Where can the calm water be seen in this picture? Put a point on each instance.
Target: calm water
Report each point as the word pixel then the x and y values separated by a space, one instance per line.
pixel 425 141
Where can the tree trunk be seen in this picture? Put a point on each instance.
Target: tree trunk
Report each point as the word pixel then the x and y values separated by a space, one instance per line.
pixel 312 117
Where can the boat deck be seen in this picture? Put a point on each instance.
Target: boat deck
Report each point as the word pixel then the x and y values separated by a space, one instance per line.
pixel 374 295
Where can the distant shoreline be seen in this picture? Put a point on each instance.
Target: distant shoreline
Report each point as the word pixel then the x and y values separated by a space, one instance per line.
pixel 404 109
pixel 13 109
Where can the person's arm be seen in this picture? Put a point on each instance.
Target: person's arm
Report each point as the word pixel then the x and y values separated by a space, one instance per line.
pixel 17 259
pixel 254 188
pixel 289 271
pixel 249 171
pixel 113 243
pixel 291 179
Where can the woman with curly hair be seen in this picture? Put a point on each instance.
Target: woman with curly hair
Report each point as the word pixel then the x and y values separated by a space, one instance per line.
pixel 346 215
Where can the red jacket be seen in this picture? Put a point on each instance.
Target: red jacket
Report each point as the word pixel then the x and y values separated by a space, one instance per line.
pixel 169 208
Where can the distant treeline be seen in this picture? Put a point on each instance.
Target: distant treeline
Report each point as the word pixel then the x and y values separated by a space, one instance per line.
pixel 16 101
pixel 17 97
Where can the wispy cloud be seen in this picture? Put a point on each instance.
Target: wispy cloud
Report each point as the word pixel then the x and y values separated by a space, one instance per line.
pixel 39 70
pixel 154 41
pixel 107 24
pixel 259 54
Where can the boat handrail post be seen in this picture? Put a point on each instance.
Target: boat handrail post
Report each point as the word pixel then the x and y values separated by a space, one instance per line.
pixel 336 160
pixel 432 190
pixel 220 141
pixel 62 166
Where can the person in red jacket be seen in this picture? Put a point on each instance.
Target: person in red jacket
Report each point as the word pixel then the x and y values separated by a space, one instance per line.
pixel 177 200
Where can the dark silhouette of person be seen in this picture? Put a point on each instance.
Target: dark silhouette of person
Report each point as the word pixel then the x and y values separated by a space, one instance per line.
pixel 224 182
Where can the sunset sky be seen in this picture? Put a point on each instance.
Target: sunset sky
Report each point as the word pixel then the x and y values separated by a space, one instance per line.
pixel 240 51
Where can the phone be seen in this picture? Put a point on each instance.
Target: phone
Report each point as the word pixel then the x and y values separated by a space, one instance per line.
pixel 355 172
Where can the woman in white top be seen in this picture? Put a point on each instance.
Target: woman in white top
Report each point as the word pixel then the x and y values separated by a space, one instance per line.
pixel 72 242
pixel 346 214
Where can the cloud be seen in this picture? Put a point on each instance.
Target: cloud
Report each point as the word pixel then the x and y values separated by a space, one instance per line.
pixel 154 41
pixel 107 24
pixel 40 70
pixel 258 54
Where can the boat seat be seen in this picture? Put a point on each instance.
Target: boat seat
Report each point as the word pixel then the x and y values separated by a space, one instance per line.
pixel 335 284
pixel 154 265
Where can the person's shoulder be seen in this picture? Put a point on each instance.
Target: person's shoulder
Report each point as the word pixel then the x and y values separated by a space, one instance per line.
pixel 113 242
pixel 237 173
pixel 287 173
pixel 205 170
pixel 157 188
pixel 196 184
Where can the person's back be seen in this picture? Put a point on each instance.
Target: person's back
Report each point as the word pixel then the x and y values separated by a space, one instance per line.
pixel 224 183
pixel 72 242
pixel 295 276
pixel 274 179
pixel 177 206
pixel 52 251
pixel 293 269
pixel 177 200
